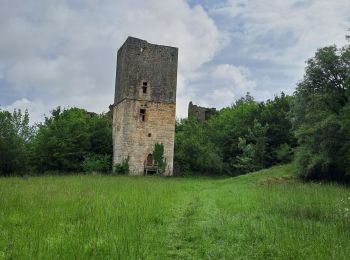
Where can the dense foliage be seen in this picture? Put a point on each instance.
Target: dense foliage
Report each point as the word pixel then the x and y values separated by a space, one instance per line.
pixel 158 154
pixel 73 140
pixel 244 137
pixel 15 135
pixel 322 116
pixel 69 140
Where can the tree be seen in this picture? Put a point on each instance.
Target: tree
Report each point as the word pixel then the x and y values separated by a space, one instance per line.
pixel 71 139
pixel 244 137
pixel 194 151
pixel 15 135
pixel 319 120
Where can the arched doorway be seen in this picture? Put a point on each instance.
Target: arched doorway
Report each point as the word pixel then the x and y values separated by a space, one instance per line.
pixel 150 166
pixel 149 160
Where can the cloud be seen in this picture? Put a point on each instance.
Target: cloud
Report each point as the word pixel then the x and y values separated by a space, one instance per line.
pixel 236 78
pixel 35 109
pixel 64 52
pixel 274 40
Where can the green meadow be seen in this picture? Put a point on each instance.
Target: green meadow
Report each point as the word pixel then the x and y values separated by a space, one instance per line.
pixel 266 214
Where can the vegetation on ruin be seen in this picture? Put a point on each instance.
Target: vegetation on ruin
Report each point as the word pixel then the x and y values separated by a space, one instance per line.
pixel 314 124
pixel 245 137
pixel 264 215
pixel 158 154
pixel 122 168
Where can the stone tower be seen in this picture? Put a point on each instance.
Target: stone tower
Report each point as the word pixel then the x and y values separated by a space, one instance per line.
pixel 144 105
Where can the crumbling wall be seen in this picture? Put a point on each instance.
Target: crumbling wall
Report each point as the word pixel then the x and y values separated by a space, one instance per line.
pixel 200 113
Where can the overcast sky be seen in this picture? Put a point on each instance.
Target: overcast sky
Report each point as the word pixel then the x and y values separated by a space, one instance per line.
pixel 63 52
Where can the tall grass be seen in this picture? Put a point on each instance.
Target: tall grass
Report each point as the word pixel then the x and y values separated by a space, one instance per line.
pixel 267 214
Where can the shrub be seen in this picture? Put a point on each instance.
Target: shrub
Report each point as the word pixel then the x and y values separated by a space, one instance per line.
pixel 122 168
pixel 97 163
pixel 284 153
pixel 158 154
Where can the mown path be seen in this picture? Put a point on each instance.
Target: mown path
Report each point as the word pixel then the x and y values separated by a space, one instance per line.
pixel 271 215
pixel 263 215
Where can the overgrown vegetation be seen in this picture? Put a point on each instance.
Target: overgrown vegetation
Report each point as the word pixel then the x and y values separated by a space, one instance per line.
pixel 70 140
pixel 322 116
pixel 122 168
pixel 158 155
pixel 15 136
pixel 245 137
pixel 264 215
pixel 97 163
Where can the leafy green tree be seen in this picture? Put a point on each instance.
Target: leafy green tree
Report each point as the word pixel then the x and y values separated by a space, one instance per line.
pixel 244 161
pixel 320 115
pixel 280 137
pixel 68 138
pixel 244 137
pixel 253 149
pixel 15 134
pixel 194 152
pixel 96 163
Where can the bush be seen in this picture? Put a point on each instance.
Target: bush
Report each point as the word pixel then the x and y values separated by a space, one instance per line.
pixel 284 153
pixel 158 154
pixel 122 168
pixel 97 163
pixel 68 138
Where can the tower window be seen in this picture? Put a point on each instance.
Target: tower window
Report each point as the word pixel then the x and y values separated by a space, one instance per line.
pixel 142 115
pixel 144 87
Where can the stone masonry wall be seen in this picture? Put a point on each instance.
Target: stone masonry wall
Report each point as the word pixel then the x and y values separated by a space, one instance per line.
pixel 200 113
pixel 136 139
pixel 140 61
pixel 146 79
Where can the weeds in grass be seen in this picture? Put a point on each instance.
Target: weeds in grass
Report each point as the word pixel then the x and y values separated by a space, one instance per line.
pixel 262 215
pixel 344 209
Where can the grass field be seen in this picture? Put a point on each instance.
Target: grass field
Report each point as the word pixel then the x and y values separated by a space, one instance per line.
pixel 267 214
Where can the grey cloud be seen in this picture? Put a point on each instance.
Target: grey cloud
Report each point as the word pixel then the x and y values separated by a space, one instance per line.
pixel 64 52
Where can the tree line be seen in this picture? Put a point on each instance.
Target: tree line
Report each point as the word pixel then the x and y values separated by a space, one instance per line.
pixel 311 127
pixel 69 140
pixel 245 137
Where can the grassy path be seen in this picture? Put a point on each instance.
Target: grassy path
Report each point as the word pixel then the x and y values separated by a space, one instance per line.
pixel 257 216
pixel 264 215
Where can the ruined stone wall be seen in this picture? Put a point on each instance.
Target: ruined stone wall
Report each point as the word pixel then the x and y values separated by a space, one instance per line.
pixel 200 113
pixel 145 79
pixel 136 139
pixel 140 61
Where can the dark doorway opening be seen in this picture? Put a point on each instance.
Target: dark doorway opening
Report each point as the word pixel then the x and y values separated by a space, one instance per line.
pixel 150 166
pixel 149 161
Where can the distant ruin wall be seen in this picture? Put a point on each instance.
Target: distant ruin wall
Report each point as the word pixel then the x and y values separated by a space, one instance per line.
pixel 200 113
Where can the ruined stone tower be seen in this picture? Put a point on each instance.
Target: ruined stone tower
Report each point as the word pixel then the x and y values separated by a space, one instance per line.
pixel 201 114
pixel 144 105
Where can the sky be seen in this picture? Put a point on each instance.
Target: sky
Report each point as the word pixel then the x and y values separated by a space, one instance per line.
pixel 63 52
